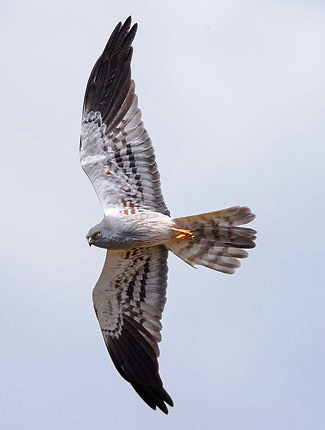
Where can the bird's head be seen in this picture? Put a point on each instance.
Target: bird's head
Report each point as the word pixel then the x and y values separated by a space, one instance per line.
pixel 98 236
pixel 110 233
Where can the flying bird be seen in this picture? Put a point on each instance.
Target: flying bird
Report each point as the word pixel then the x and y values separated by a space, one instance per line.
pixel 137 231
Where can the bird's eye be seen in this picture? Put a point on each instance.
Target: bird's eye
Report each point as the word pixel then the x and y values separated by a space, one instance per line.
pixel 97 234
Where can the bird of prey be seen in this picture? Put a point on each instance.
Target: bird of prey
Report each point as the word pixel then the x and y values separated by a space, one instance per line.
pixel 137 231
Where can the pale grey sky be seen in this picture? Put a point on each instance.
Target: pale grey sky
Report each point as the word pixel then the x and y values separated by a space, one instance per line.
pixel 233 97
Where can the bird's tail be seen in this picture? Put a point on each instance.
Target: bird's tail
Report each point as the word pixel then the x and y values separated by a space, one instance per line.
pixel 214 239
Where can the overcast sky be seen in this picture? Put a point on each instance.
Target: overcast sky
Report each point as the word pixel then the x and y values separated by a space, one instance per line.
pixel 233 96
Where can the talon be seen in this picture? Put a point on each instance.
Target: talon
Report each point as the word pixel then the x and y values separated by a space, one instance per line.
pixel 181 236
pixel 184 234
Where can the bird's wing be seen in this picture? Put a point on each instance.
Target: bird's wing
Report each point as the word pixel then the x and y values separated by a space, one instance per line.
pixel 129 299
pixel 115 150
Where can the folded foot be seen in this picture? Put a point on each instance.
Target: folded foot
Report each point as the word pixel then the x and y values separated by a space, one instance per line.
pixel 183 234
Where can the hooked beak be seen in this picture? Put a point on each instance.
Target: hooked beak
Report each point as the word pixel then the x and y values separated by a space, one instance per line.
pixel 90 241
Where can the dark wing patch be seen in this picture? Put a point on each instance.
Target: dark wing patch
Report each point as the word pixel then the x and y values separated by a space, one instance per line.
pixel 129 299
pixel 110 79
pixel 136 362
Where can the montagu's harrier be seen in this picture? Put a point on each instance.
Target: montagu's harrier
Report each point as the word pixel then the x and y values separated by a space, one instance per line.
pixel 117 155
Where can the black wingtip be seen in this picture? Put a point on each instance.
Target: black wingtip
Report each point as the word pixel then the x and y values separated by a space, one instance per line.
pixel 154 397
pixel 110 78
pixel 126 28
pixel 128 32
pixel 128 20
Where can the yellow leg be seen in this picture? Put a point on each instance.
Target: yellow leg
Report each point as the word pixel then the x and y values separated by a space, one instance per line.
pixel 184 234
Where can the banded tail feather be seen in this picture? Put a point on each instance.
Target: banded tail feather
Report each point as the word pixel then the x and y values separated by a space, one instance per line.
pixel 215 239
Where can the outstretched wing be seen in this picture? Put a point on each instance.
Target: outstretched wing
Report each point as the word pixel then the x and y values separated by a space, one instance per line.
pixel 115 150
pixel 129 299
